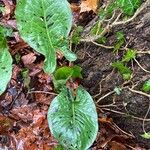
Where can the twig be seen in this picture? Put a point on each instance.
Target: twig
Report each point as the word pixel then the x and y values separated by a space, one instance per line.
pixel 109 20
pixel 145 118
pixel 143 52
pixel 122 113
pixel 128 134
pixel 109 105
pixel 115 23
pixel 89 26
pixel 42 92
pixel 110 93
pixel 147 71
pixel 139 92
pixel 134 16
pixel 104 46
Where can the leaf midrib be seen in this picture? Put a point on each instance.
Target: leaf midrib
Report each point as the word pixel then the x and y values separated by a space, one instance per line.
pixel 44 15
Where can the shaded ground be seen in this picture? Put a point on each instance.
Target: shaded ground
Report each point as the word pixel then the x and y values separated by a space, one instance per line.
pixel 99 76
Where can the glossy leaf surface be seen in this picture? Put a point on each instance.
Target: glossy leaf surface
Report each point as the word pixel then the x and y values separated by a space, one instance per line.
pixel 45 25
pixel 73 120
pixel 5 62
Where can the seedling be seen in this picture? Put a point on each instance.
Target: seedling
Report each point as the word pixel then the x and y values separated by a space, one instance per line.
pixel 146 86
pixel 146 135
pixel 122 65
pixel 76 36
pixel 120 41
pixel 118 90
pixel 129 55
pixel 125 71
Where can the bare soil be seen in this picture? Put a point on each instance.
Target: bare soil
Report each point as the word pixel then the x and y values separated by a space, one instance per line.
pixel 99 76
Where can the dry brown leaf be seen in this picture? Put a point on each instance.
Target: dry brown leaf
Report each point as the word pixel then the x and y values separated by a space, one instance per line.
pixel 74 7
pixel 28 59
pixel 87 5
pixel 9 8
pixel 117 146
pixel 5 124
pixel 105 120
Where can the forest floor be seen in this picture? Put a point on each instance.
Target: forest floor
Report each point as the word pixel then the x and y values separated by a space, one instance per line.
pixel 123 118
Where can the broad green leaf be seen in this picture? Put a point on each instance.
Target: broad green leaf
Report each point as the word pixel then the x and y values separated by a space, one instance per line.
pixel 146 86
pixel 146 135
pixel 45 25
pixel 73 120
pixel 125 71
pixel 5 62
pixel 128 6
pixel 130 54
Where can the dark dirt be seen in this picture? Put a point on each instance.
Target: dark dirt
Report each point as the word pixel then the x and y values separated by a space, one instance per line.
pixel 96 64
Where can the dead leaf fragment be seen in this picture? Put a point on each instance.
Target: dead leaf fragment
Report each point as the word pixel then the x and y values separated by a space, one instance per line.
pixel 28 59
pixel 117 146
pixel 5 124
pixel 88 5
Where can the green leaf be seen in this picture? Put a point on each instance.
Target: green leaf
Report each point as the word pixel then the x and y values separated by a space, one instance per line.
pixel 65 72
pixel 125 71
pixel 117 90
pixel 77 35
pixel 120 35
pixel 45 25
pixel 5 62
pixel 128 6
pixel 118 45
pixel 25 76
pixel 146 86
pixel 58 147
pixel 120 41
pixel 146 135
pixel 62 74
pixel 73 120
pixel 130 54
pixel 107 13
